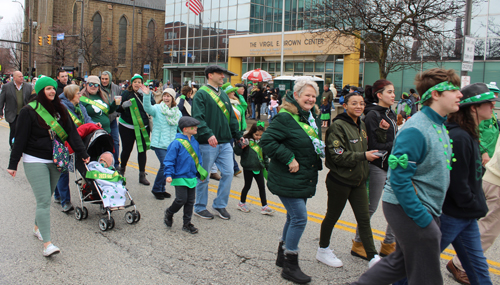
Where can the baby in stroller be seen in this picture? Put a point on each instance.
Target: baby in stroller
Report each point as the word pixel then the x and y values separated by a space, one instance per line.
pixel 110 182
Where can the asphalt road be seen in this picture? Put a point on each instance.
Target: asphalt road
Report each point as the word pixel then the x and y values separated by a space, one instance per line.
pixel 239 251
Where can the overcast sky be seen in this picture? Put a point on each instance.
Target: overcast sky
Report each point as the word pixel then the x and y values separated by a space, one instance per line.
pixel 12 14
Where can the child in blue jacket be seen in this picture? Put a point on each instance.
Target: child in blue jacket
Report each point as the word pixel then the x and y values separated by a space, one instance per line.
pixel 182 167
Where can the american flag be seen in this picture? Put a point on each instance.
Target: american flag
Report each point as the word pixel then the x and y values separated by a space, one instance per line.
pixel 195 6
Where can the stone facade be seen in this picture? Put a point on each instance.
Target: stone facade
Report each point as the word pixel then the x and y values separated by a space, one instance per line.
pixel 56 16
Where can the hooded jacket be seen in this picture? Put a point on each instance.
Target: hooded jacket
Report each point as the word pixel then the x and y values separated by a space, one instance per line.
pixel 178 162
pixel 112 90
pixel 285 140
pixel 465 197
pixel 346 144
pixel 71 108
pixel 372 122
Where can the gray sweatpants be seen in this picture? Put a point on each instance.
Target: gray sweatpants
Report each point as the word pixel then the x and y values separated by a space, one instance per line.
pixel 376 188
pixel 416 256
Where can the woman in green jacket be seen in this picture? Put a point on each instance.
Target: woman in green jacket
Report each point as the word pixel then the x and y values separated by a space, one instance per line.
pixel 347 158
pixel 293 142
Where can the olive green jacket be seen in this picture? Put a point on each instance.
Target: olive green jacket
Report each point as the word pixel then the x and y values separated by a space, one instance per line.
pixel 285 140
pixel 346 143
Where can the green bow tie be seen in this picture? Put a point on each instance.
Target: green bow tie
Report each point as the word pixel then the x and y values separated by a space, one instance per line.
pixel 402 161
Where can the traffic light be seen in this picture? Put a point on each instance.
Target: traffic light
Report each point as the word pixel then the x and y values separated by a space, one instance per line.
pixel 40 41
pixel 49 39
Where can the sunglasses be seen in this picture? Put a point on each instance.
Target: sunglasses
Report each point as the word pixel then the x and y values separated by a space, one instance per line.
pixel 93 85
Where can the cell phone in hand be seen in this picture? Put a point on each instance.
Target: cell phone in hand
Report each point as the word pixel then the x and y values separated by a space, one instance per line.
pixel 380 153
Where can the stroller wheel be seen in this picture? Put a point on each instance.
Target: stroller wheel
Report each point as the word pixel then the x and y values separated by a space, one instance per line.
pixel 102 209
pixel 129 217
pixel 78 213
pixel 137 216
pixel 85 213
pixel 111 223
pixel 103 224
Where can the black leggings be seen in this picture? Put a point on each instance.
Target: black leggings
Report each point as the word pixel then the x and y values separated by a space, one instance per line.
pixel 248 175
pixel 128 138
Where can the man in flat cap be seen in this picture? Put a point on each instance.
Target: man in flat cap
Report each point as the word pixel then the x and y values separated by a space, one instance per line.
pixel 218 124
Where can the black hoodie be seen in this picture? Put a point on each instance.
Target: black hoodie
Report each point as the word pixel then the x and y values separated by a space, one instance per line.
pixel 465 197
pixel 372 121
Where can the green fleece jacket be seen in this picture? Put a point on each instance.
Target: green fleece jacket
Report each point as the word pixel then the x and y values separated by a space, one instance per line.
pixel 213 122
pixel 488 135
pixel 250 159
pixel 346 143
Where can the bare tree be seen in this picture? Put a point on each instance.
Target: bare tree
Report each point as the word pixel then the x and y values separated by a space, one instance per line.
pixel 14 33
pixel 152 51
pixel 64 51
pixel 391 32
pixel 96 54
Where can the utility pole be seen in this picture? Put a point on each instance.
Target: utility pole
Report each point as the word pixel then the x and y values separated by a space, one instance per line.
pixel 81 41
pixel 468 15
pixel 132 50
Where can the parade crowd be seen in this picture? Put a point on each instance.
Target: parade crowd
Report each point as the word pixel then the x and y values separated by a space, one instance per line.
pixel 433 160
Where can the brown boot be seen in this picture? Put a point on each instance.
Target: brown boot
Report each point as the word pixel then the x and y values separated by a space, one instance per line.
pixel 142 178
pixel 358 250
pixel 387 248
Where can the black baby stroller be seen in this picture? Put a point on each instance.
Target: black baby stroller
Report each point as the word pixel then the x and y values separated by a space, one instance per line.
pixel 97 143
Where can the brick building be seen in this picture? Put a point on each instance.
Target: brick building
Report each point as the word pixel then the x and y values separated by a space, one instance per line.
pixel 108 30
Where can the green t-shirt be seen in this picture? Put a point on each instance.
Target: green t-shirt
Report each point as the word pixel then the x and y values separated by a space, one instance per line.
pixel 97 115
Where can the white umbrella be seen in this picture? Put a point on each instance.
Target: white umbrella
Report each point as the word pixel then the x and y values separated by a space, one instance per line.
pixel 257 75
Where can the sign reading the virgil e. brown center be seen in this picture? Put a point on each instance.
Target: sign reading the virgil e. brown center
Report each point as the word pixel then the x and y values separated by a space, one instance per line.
pixel 295 43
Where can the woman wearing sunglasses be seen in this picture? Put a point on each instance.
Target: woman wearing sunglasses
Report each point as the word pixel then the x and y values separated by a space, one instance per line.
pixel 97 103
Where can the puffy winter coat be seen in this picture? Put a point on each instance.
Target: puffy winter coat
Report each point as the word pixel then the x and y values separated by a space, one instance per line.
pixel 163 133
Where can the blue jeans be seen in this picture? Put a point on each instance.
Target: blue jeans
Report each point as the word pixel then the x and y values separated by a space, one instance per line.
pixel 62 189
pixel 253 111
pixel 236 166
pixel 116 140
pixel 464 235
pixel 273 113
pixel 159 185
pixel 296 220
pixel 263 108
pixel 222 155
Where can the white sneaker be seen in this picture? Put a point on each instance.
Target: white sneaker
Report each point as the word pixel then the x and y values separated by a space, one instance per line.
pixel 50 250
pixel 243 207
pixel 37 234
pixel 266 210
pixel 329 258
pixel 374 261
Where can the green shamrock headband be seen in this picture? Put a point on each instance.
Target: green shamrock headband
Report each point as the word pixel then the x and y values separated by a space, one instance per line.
pixel 443 86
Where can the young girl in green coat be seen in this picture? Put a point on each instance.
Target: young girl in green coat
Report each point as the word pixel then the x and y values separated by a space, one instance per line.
pixel 254 164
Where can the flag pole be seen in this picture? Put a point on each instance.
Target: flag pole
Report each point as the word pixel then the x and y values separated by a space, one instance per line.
pixel 187 33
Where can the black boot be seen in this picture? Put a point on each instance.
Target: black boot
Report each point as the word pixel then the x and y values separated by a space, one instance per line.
pixel 142 178
pixel 168 219
pixel 291 270
pixel 121 170
pixel 281 254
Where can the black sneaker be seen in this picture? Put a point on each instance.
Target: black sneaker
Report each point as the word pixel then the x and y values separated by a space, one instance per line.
pixel 168 220
pixel 166 195
pixel 159 195
pixel 190 228
pixel 205 214
pixel 223 214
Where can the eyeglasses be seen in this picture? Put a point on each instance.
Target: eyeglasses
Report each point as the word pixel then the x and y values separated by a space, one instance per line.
pixel 362 104
pixel 93 85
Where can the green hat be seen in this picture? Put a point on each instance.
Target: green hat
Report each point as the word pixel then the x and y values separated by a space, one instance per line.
pixel 476 93
pixel 135 77
pixel 43 82
pixel 493 87
pixel 228 88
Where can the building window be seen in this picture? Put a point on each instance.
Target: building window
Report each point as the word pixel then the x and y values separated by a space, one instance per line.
pixel 172 35
pixel 151 30
pixel 122 39
pixel 96 33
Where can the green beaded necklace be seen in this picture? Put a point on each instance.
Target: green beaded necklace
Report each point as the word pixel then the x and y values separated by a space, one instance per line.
pixel 445 145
